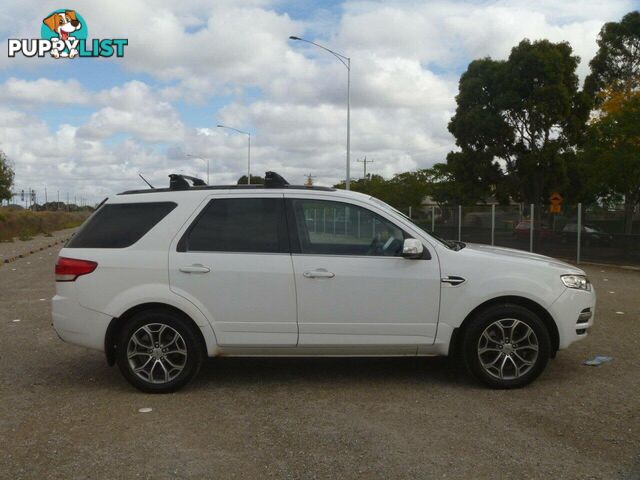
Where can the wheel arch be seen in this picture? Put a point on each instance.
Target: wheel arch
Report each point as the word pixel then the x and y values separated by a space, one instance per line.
pixel 543 313
pixel 117 323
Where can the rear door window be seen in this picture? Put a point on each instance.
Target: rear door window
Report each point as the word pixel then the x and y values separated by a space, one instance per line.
pixel 120 225
pixel 252 225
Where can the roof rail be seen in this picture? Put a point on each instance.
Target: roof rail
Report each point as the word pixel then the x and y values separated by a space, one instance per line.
pixel 273 180
pixel 178 182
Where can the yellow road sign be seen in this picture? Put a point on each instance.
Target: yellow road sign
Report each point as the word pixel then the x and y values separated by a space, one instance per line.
pixel 555 201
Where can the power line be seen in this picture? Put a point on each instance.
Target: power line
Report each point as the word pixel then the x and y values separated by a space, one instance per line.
pixel 364 162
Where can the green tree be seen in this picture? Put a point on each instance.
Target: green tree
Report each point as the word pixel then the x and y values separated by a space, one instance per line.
pixel 585 186
pixel 613 146
pixel 409 189
pixel 404 190
pixel 616 66
pixel 442 188
pixel 6 177
pixel 473 177
pixel 255 180
pixel 515 122
pixel 376 186
pixel 614 86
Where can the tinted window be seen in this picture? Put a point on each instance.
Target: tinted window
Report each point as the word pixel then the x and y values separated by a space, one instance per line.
pixel 240 225
pixel 120 225
pixel 335 228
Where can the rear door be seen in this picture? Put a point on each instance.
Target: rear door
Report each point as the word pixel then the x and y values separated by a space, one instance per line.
pixel 233 262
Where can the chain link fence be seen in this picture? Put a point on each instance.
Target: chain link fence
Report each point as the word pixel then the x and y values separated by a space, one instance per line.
pixel 576 233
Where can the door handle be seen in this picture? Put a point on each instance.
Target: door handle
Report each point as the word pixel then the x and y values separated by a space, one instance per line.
pixel 196 268
pixel 319 273
pixel 453 280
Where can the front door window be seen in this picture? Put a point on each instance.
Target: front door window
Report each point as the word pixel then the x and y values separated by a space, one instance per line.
pixel 335 228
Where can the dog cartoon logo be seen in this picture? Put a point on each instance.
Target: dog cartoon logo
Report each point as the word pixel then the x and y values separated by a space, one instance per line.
pixel 66 24
pixel 63 34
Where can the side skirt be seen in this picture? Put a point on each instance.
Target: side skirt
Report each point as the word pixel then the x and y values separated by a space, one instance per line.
pixel 325 351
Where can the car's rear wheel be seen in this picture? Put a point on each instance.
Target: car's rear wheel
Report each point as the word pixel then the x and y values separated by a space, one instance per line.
pixel 506 346
pixel 159 351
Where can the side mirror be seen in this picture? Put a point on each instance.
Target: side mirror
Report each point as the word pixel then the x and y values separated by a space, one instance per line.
pixel 412 248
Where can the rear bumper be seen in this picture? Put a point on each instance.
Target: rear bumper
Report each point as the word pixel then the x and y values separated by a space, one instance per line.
pixel 566 311
pixel 78 325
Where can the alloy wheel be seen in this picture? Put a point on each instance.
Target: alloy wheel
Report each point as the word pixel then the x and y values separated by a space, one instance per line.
pixel 508 349
pixel 157 353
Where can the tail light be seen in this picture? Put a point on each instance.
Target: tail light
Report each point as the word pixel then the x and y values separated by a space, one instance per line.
pixel 68 269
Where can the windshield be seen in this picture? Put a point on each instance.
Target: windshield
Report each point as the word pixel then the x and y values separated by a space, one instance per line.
pixel 450 244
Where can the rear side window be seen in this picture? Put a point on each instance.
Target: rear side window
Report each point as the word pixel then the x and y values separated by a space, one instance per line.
pixel 255 225
pixel 120 225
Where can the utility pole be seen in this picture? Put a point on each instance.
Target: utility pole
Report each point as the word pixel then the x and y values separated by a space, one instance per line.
pixel 364 162
pixel 309 182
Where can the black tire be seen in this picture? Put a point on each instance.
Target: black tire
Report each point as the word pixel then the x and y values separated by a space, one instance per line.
pixel 514 377
pixel 188 341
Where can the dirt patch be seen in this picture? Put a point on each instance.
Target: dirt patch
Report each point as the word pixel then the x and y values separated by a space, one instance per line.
pixel 65 414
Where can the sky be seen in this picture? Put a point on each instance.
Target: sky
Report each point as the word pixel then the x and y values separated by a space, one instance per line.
pixel 88 126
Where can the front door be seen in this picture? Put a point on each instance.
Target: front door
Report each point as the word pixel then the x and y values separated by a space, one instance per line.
pixel 233 263
pixel 353 285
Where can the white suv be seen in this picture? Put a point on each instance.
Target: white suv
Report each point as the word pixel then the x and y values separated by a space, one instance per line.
pixel 161 278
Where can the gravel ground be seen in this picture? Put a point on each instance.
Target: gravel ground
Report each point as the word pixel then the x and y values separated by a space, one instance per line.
pixel 19 247
pixel 65 414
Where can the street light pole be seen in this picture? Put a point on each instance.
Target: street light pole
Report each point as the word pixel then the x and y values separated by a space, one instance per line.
pixel 346 61
pixel 248 149
pixel 348 180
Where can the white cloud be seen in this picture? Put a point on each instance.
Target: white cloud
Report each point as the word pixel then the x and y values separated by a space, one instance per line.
pixel 66 162
pixel 450 33
pixel 134 109
pixel 406 60
pixel 44 91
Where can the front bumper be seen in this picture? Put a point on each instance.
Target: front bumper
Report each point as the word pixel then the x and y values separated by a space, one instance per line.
pixel 567 310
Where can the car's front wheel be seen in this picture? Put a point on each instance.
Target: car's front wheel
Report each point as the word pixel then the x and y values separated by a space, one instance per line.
pixel 506 346
pixel 159 351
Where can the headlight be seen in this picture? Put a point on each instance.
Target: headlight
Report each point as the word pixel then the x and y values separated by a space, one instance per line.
pixel 576 281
